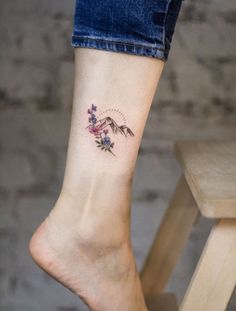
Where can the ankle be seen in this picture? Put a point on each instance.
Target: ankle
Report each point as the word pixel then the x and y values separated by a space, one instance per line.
pixel 104 235
pixel 97 197
pixel 96 247
pixel 72 185
pixel 95 221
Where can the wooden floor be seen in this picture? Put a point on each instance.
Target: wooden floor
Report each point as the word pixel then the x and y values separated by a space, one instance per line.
pixel 162 302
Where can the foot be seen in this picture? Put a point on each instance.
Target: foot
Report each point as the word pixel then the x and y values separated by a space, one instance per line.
pixel 88 250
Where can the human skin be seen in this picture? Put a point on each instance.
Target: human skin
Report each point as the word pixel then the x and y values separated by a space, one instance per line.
pixel 84 243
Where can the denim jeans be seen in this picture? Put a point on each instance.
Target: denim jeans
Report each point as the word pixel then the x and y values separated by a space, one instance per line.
pixel 139 27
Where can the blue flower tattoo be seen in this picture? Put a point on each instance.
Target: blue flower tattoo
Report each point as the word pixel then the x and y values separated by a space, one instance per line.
pixel 100 126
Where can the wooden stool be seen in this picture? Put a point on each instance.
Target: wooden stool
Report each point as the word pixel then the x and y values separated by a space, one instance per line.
pixel 208 186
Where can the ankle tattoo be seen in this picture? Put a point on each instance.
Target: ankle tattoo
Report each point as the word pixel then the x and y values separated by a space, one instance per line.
pixel 100 125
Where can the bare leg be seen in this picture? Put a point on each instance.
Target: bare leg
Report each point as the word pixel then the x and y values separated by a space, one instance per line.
pixel 85 241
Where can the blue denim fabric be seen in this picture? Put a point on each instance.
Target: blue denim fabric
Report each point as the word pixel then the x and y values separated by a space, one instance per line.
pixel 140 27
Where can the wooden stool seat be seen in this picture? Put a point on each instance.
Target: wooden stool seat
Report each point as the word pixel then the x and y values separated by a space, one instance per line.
pixel 208 186
pixel 210 170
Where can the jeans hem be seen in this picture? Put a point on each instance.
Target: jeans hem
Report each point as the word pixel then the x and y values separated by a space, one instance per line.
pixel 114 45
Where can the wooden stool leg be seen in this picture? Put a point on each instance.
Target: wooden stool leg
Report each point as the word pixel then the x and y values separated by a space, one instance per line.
pixel 215 277
pixel 170 240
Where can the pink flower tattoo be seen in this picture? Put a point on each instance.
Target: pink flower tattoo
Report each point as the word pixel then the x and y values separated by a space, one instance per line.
pixel 104 127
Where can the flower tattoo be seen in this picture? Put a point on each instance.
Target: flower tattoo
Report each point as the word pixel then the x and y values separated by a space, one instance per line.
pixel 99 127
